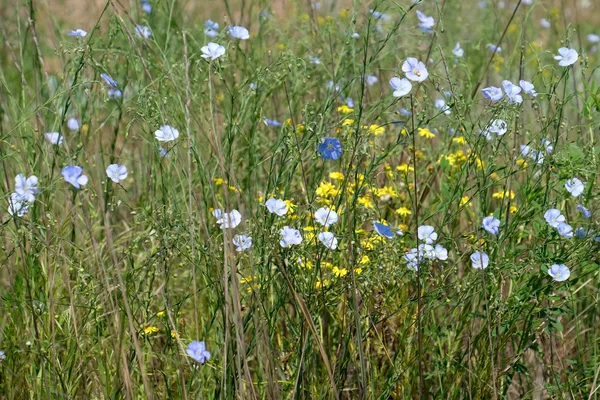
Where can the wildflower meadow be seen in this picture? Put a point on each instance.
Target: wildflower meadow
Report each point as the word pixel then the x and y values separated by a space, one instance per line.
pixel 291 199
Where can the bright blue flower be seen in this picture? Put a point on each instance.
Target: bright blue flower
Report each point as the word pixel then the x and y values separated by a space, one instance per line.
pixel 580 233
pixel 197 350
pixel 383 230
pixel 77 33
pixel 330 149
pixel 586 213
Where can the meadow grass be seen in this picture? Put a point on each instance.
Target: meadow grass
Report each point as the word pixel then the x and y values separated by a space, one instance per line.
pixel 108 283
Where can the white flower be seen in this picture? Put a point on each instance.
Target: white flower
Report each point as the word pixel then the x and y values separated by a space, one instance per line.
pixel 212 51
pixel 575 187
pixel 276 206
pixel 329 240
pixel 427 234
pixel 116 172
pixel 401 87
pixel 166 133
pixel 289 236
pixel 73 124
pixel 326 217
pixel 458 51
pixel 54 137
pixel 230 219
pixel 243 242
pixel 566 56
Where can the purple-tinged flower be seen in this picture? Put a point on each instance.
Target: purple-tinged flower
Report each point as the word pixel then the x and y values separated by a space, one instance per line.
pixel 491 225
pixel 584 211
pixel 197 350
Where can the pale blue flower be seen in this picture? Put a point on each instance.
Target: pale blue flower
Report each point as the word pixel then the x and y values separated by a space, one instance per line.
pixel 242 242
pixel 458 51
pixel 238 32
pixel 593 38
pixel 575 187
pixel 27 187
pixel 547 145
pixel 211 28
pixel 350 102
pixel 197 350
pixel 559 272
pixel 441 253
pixel 440 104
pixel 18 205
pixel 528 87
pixel 544 23
pixel 480 260
pixel 404 111
pixel 492 93
pixel 491 225
pixel 379 15
pixel 497 126
pixel 229 220
pixel 276 206
pixel 554 217
pixel 54 137
pixel 565 230
pixel 116 172
pixel 415 70
pixel 326 217
pixel 512 92
pixel 143 31
pixel 289 237
pixel 77 33
pixel 584 211
pixel 166 133
pixel 494 49
pixel 426 23
pixel 401 87
pixel 114 93
pixel 2 356
pixel 272 123
pixel 566 56
pixel 427 234
pixel 314 60
pixel 525 150
pixel 109 80
pixel 73 124
pixel 329 240
pixel 412 259
pixel 212 51
pixel 371 79
pixel 74 175
pixel 146 6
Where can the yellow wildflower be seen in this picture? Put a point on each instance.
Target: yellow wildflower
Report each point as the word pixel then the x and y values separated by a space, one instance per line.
pixel 327 189
pixel 375 130
pixel 403 211
pixel 149 330
pixel 465 200
pixel 345 109
pixel 504 194
pixel 338 176
pixel 340 273
pixel 366 201
pixel 404 168
pixel 322 284
pixel 218 181
pixel 161 313
pixel 385 193
pixel 364 260
pixel 459 140
pixel 522 163
pixel 426 133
